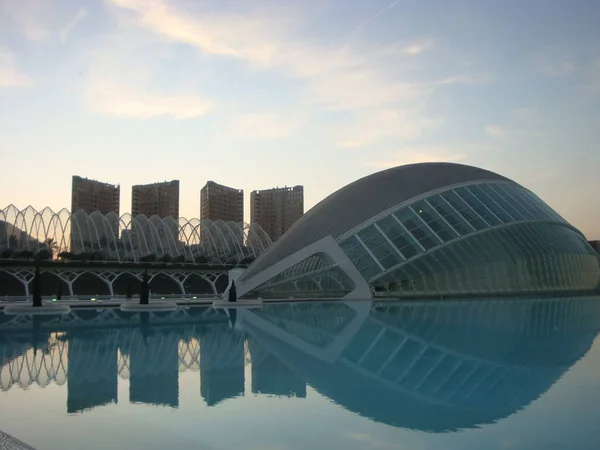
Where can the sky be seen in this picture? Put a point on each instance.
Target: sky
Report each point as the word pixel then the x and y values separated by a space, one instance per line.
pixel 262 93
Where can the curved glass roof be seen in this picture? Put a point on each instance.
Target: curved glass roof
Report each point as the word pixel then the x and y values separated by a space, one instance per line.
pixel 365 198
pixel 492 237
pixel 125 238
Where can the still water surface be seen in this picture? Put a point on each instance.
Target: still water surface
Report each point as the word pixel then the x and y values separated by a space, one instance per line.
pixel 477 374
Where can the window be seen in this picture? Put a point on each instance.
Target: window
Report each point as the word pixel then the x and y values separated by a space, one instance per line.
pixel 387 255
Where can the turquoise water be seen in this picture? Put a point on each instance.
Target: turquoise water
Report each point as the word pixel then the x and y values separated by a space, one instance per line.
pixel 477 374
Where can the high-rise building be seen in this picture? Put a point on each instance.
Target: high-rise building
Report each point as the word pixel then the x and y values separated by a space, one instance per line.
pixel 89 196
pixel 277 209
pixel 93 195
pixel 160 199
pixel 218 202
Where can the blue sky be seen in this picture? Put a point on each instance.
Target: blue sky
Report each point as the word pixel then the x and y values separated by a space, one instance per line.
pixel 257 94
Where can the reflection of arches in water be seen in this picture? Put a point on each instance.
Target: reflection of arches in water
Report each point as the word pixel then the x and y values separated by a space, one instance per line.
pixel 149 353
pixel 434 366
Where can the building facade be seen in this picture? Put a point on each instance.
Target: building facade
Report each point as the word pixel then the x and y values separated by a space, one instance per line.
pixel 277 209
pixel 92 195
pixel 426 230
pixel 156 199
pixel 219 202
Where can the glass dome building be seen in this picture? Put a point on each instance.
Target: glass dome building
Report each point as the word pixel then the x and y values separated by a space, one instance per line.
pixel 422 230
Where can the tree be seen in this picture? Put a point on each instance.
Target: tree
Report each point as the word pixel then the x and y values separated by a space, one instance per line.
pixel 148 258
pixel 165 258
pixel 52 247
pixel 23 254
pixel 7 253
pixel 65 256
pixel 43 254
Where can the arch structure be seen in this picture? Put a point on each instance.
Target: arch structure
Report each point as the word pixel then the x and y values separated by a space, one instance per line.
pixel 426 230
pixel 110 237
pixel 81 360
pixel 180 281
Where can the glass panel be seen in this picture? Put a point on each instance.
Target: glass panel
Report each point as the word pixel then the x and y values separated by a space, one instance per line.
pixel 464 210
pixel 395 233
pixel 507 193
pixel 380 247
pixel 500 200
pixel 477 206
pixel 433 219
pixel 455 220
pixel 491 204
pixel 359 256
pixel 425 237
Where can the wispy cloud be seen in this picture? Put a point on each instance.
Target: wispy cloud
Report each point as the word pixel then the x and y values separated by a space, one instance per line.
pixel 386 123
pixel 464 79
pixel 267 125
pixel 10 74
pixel 419 47
pixel 497 132
pixel 555 62
pixel 118 83
pixel 419 154
pixel 80 15
pixel 118 100
pixel 366 22
pixel 334 78
pixel 594 77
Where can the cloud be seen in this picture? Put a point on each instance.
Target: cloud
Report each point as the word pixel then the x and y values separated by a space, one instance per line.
pixel 386 123
pixel 118 82
pixel 417 48
pixel 594 83
pixel 496 131
pixel 334 78
pixel 267 125
pixel 412 155
pixel 366 22
pixel 527 116
pixel 555 62
pixel 126 101
pixel 32 18
pixel 80 15
pixel 10 74
pixel 465 79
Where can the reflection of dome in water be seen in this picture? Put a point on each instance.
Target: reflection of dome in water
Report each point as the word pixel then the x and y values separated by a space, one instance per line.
pixel 432 366
pixel 422 230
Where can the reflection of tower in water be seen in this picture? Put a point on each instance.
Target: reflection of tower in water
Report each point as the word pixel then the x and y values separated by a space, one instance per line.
pixel 271 376
pixel 154 366
pixel 221 364
pixel 92 375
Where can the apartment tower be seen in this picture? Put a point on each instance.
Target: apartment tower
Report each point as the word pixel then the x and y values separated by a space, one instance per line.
pixel 277 209
pixel 93 195
pixel 218 202
pixel 156 199
pixel 89 196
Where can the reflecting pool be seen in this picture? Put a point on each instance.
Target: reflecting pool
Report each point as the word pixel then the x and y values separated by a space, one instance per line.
pixel 473 374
